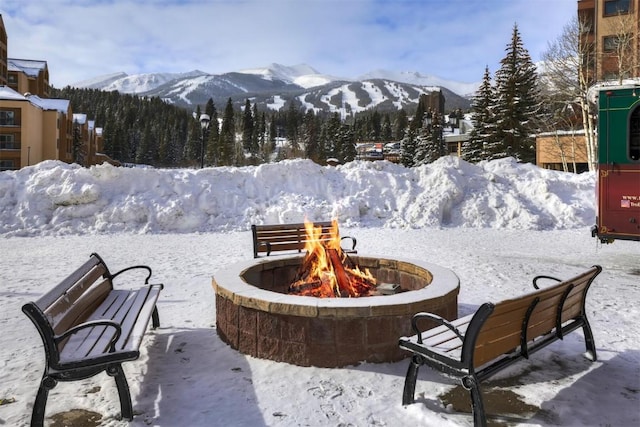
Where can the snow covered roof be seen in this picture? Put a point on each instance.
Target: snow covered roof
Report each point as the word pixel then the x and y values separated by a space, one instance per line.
pixel 30 67
pixel 61 105
pixel 80 118
pixel 8 94
pixel 47 104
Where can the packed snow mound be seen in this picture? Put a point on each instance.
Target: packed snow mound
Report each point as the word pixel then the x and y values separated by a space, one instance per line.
pixel 55 198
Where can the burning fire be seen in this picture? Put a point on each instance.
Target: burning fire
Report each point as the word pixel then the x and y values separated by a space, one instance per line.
pixel 326 271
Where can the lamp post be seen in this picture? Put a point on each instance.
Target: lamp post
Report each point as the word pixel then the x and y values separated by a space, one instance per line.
pixel 204 123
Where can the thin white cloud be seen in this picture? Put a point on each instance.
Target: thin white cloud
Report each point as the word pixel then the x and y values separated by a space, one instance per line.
pixel 451 39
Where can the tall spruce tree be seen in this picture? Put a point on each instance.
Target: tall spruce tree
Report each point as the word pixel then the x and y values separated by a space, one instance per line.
pixel 400 125
pixel 483 135
pixel 409 147
pixel 228 136
pixel 517 102
pixel 247 126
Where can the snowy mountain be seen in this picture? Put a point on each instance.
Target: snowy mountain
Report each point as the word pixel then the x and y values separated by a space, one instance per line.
pixel 276 85
pixel 413 77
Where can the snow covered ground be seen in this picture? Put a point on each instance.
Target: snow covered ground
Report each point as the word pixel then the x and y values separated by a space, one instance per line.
pixel 496 225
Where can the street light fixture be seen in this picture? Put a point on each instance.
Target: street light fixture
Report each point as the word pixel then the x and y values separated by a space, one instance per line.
pixel 204 123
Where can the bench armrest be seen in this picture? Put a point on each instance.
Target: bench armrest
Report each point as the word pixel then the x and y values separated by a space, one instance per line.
pixel 353 242
pixel 535 280
pixel 434 317
pixel 146 281
pixel 91 324
pixel 267 245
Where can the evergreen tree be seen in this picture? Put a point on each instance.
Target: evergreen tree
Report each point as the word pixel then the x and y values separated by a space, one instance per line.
pixel 517 102
pixel 247 126
pixel 227 142
pixel 313 148
pixel 387 130
pixel 346 144
pixel 483 133
pixel 409 147
pixel 400 125
pixel 292 129
pixel 212 147
pixel 329 137
pixel 375 133
pixel 256 135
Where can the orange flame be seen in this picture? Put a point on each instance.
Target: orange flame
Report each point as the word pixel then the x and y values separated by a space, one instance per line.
pixel 326 271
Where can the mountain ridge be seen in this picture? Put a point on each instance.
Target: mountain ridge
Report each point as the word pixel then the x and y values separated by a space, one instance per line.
pixel 276 85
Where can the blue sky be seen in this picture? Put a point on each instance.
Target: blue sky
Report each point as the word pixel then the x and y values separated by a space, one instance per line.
pixel 454 39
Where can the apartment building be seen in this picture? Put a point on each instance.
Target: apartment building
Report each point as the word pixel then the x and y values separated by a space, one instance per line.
pixel 611 38
pixel 28 76
pixel 3 53
pixel 35 127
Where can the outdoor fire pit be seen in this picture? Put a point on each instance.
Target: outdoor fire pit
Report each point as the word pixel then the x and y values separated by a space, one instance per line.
pixel 256 316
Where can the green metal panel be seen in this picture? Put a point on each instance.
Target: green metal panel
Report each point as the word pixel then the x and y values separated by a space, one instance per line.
pixel 615 106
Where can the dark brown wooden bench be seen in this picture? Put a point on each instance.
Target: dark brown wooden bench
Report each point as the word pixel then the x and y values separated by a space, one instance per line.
pixel 269 238
pixel 475 347
pixel 88 327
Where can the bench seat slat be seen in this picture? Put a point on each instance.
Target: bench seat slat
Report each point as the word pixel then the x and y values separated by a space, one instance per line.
pixel 97 338
pixel 131 309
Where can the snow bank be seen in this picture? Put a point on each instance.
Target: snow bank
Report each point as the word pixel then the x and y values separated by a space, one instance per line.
pixel 55 198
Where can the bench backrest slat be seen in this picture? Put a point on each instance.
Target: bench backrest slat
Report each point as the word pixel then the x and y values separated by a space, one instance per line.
pixel 57 310
pixel 285 237
pixel 50 297
pixel 84 306
pixel 502 331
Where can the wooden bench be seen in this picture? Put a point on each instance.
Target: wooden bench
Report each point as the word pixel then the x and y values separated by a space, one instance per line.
pixel 290 237
pixel 88 327
pixel 475 347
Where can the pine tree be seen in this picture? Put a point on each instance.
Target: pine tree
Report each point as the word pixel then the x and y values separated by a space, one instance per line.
pixel 212 150
pixel 400 125
pixel 483 135
pixel 346 144
pixel 517 99
pixel 409 147
pixel 247 126
pixel 313 148
pixel 329 136
pixel 254 147
pixel 387 129
pixel 227 136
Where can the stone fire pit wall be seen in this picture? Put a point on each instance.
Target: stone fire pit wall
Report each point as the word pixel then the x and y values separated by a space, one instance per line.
pixel 255 316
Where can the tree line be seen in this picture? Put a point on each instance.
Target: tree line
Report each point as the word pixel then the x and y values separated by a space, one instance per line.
pixel 150 131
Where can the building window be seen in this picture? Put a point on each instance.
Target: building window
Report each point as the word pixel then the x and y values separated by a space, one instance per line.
pixel 634 135
pixel 8 142
pixel 616 7
pixel 610 43
pixel 7 118
pixel 7 165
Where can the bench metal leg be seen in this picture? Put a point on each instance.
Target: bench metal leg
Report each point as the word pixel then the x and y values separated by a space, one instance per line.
pixel 155 318
pixel 410 381
pixel 477 407
pixel 37 415
pixel 588 338
pixel 123 390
